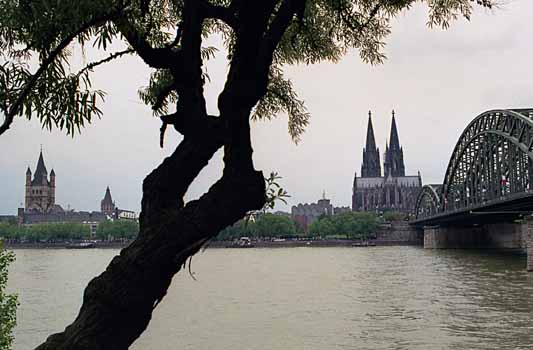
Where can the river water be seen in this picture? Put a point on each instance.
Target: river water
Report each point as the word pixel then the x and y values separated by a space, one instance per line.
pixel 302 298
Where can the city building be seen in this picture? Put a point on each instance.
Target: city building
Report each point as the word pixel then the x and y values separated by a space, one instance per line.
pixel 40 205
pixel 108 207
pixel 305 214
pixel 392 191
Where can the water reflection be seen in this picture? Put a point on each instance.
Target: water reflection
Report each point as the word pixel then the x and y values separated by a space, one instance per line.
pixel 304 298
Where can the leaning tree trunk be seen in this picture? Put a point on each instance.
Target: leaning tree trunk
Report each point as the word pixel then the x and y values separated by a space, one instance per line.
pixel 118 304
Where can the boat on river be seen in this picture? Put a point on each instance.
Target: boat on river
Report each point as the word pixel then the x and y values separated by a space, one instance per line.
pixel 364 244
pixel 80 245
pixel 243 242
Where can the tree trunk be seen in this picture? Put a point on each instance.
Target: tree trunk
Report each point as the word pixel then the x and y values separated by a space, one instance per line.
pixel 118 304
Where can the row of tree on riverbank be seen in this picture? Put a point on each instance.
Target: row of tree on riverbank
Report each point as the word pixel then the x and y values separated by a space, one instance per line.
pixel 349 225
pixel 106 230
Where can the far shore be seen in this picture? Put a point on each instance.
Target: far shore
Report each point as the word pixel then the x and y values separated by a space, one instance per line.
pixel 288 243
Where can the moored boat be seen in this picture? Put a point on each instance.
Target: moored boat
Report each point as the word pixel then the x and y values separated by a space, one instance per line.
pixel 243 242
pixel 80 245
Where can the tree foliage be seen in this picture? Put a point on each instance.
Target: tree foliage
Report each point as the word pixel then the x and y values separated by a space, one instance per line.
pixel 8 302
pixel 127 229
pixel 265 226
pixel 354 225
pixel 391 215
pixel 58 95
pixel 45 232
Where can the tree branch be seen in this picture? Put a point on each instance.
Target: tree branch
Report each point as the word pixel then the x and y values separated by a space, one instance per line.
pixel 161 58
pixel 361 27
pixel 189 82
pixel 225 14
pixel 177 37
pixel 15 107
pixel 109 58
pixel 279 25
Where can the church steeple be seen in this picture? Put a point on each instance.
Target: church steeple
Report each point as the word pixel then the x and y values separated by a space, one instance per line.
pixel 107 206
pixel 394 140
pixel 371 166
pixel 370 139
pixel 394 165
pixel 41 174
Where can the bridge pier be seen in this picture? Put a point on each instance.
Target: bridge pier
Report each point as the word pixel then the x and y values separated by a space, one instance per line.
pixel 491 236
pixel 443 237
pixel 529 243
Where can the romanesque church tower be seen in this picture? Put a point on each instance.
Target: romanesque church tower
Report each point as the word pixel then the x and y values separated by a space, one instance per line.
pixel 40 191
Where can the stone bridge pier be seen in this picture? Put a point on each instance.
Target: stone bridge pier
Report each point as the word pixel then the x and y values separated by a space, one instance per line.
pixel 517 236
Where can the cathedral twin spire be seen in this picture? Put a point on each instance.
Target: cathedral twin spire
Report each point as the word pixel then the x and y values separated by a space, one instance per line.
pixel 371 166
pixel 393 162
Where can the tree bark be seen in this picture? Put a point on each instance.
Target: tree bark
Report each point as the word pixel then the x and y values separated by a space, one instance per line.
pixel 118 304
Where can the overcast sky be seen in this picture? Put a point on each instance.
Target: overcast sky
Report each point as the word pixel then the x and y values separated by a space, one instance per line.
pixel 435 80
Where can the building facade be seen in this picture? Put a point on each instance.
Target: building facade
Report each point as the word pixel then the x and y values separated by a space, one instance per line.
pixel 305 214
pixel 391 191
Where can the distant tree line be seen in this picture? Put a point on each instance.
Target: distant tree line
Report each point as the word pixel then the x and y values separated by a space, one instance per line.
pixel 349 225
pixel 118 229
pixel 352 225
pixel 392 215
pixel 266 225
pixel 45 232
pixel 49 232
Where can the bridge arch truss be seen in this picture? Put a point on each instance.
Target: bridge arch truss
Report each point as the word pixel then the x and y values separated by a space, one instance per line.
pixel 492 161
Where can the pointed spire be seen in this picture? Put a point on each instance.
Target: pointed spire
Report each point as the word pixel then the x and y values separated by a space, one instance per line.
pixel 41 168
pixel 394 165
pixel 394 140
pixel 371 165
pixel 107 196
pixel 52 173
pixel 41 174
pixel 106 205
pixel 28 172
pixel 370 140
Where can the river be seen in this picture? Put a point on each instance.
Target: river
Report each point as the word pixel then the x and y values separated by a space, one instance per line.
pixel 302 298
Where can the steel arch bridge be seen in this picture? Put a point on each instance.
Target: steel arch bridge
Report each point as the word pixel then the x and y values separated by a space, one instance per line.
pixel 489 174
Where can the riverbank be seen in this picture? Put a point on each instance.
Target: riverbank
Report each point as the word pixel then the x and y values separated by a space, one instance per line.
pixel 288 243
pixel 64 245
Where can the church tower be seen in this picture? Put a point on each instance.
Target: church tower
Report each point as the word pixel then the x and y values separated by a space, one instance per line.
pixel 27 196
pixel 107 206
pixel 394 165
pixel 40 193
pixel 371 166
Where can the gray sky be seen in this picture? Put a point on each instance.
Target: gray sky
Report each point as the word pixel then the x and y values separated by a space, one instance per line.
pixel 437 81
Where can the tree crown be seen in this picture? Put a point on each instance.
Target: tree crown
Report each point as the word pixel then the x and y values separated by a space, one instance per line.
pixel 168 36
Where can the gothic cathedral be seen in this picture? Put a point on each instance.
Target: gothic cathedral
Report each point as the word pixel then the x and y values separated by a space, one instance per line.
pixel 393 190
